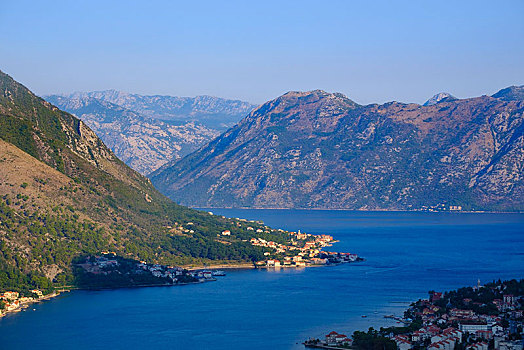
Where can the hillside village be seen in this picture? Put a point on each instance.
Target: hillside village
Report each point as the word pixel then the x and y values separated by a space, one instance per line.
pixel 478 318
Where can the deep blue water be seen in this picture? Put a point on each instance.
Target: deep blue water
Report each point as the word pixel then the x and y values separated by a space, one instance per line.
pixel 407 255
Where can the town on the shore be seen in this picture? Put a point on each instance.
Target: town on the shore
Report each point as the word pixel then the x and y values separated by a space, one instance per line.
pixel 109 270
pixel 477 318
pixel 15 302
pixel 304 249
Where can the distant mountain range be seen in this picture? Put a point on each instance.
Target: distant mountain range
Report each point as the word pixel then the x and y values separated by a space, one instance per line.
pixel 148 131
pixel 143 143
pixel 213 112
pixel 322 150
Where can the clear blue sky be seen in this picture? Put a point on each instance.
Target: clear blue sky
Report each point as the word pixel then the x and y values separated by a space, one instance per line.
pixel 372 51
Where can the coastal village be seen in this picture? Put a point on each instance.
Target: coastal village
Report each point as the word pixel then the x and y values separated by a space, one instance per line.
pixel 296 249
pixel 109 270
pixel 477 318
pixel 14 302
pixel 304 250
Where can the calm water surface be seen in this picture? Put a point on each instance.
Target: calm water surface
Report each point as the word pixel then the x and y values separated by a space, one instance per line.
pixel 407 255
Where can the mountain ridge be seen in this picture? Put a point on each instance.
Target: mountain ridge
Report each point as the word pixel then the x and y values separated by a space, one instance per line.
pixel 321 150
pixel 215 112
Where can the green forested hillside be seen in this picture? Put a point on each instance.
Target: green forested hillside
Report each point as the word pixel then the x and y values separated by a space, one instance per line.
pixel 63 193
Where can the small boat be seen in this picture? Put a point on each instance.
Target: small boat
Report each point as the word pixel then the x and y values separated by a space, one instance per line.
pixel 219 273
pixel 364 316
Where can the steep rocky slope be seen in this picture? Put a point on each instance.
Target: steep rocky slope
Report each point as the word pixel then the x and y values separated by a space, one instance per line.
pixel 143 143
pixel 322 150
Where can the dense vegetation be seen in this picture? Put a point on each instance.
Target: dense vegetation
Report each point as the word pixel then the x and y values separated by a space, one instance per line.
pixel 372 340
pixel 481 301
pixel 75 197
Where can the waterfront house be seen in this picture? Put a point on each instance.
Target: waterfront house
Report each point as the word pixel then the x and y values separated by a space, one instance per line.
pixel 319 261
pixel 334 339
pixel 330 338
pixel 273 263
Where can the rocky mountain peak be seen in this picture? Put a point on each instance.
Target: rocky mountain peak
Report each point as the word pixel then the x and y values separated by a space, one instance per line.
pixel 440 97
pixel 320 150
pixel 314 99
pixel 512 93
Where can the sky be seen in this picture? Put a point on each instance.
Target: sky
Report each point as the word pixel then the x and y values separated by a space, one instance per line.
pixel 371 51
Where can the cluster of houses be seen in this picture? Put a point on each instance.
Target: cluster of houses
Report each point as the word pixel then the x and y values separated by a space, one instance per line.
pixel 12 301
pixel 157 270
pixel 311 246
pixel 437 338
pixel 436 324
pixel 440 207
pixel 445 328
pixel 108 262
pixel 333 339
pixel 302 254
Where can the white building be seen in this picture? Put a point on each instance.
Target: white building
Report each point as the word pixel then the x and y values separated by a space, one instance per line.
pixel 473 326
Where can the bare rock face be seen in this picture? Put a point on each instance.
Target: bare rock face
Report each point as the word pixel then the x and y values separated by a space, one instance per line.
pixel 321 150
pixel 143 143
pixel 441 96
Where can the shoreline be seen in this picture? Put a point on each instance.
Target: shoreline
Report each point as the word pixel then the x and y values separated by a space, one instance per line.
pixel 238 266
pixel 27 304
pixel 365 210
pixel 59 292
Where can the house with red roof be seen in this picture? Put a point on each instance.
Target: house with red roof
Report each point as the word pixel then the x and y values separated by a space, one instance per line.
pixel 403 342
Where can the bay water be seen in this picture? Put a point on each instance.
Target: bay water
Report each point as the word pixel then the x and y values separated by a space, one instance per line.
pixel 407 254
